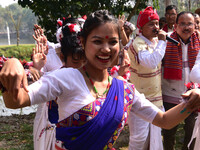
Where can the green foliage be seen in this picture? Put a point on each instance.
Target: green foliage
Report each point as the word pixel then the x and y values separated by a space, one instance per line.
pixel 49 12
pixel 21 52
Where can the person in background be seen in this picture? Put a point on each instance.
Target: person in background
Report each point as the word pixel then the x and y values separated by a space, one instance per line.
pixel 176 74
pixel 147 51
pixel 47 113
pixel 162 22
pixel 197 11
pixel 197 23
pixel 170 15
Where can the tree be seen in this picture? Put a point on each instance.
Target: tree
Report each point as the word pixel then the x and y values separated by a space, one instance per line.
pixel 49 11
pixel 16 17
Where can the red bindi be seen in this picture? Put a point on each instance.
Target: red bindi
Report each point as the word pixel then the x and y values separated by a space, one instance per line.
pixel 106 37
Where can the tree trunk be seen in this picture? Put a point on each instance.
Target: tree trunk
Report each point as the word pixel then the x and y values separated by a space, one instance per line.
pixel 133 11
pixel 17 37
pixel 189 5
pixel 167 2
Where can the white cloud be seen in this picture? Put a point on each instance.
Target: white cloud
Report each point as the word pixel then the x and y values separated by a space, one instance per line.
pixel 5 3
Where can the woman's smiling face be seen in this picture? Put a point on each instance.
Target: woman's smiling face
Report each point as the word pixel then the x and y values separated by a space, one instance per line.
pixel 102 45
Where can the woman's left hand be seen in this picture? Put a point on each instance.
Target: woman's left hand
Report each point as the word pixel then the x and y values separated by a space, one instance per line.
pixel 193 99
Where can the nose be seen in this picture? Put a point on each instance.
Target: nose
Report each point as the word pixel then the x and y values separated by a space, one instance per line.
pixel 105 48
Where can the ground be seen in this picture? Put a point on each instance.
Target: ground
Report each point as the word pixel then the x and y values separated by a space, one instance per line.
pixel 16 133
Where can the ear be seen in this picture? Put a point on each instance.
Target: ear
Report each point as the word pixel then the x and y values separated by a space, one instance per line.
pixel 175 26
pixel 82 42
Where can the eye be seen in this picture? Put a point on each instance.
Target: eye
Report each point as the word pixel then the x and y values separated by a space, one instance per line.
pixel 97 42
pixel 113 42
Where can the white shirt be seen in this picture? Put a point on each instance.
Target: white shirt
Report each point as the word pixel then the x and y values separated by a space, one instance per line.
pixel 151 60
pixel 53 61
pixel 175 88
pixel 195 72
pixel 69 86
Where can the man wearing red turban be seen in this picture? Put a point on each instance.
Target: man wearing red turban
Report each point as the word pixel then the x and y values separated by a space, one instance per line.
pixel 146 54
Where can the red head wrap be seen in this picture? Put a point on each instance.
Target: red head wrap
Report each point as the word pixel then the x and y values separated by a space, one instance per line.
pixel 145 16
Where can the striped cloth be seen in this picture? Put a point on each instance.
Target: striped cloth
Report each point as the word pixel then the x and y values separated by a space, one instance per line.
pixel 173 57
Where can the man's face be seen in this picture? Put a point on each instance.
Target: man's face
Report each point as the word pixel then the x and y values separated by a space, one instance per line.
pixel 185 26
pixel 148 30
pixel 197 23
pixel 170 16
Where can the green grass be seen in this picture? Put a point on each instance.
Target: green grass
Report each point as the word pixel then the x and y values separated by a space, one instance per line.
pixel 22 52
pixel 16 132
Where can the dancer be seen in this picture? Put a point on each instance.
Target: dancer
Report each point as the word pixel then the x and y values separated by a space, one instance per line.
pixel 93 107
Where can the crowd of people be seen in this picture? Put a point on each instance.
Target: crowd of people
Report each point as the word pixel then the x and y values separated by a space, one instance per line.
pixel 103 74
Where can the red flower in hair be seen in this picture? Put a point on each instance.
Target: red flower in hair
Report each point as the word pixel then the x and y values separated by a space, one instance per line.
pixel 74 28
pixel 60 23
pixel 84 17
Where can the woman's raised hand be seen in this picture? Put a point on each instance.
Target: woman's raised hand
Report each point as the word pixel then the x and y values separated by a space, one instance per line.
pixel 39 57
pixel 40 37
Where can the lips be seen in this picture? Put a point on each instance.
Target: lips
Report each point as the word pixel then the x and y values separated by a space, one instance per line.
pixel 104 59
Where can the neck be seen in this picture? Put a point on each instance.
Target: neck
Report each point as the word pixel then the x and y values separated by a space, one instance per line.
pixel 96 74
pixel 170 26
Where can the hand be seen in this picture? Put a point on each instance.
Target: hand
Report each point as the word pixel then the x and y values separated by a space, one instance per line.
pixel 162 35
pixel 39 58
pixel 36 74
pixel 121 21
pixel 40 37
pixel 193 97
pixel 124 67
pixel 13 77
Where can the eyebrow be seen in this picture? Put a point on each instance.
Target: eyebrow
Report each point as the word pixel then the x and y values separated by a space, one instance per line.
pixel 98 37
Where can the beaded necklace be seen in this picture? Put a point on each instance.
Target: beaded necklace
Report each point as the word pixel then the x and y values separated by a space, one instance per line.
pixel 97 93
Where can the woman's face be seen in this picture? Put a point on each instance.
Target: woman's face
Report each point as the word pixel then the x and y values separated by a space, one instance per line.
pixel 102 46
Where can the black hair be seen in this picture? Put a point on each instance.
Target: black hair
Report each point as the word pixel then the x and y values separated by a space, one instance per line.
pixel 170 7
pixel 96 19
pixel 195 15
pixel 70 42
pixel 182 13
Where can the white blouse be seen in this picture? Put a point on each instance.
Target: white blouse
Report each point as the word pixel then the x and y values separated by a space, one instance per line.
pixel 70 87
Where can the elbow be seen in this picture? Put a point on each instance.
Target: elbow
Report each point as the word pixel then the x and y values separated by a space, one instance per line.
pixel 12 106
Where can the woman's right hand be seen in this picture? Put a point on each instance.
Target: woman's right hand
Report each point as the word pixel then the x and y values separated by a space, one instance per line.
pixel 13 77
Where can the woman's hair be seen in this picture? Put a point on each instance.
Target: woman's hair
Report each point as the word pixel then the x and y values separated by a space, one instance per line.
pixel 96 19
pixel 70 39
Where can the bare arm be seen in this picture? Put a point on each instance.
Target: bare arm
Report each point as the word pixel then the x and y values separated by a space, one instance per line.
pixel 14 80
pixel 121 20
pixel 175 115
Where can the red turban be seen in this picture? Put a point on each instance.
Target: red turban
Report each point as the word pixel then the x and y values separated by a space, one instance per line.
pixel 145 16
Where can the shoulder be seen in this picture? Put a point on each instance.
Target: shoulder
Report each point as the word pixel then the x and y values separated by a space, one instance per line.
pixel 129 87
pixel 68 73
pixel 139 44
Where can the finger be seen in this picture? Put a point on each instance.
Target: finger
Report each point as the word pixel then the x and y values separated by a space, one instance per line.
pixel 186 94
pixel 41 48
pixel 44 56
pixel 34 37
pixel 35 76
pixel 36 48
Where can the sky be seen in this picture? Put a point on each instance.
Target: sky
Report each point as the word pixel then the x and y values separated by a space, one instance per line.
pixel 5 3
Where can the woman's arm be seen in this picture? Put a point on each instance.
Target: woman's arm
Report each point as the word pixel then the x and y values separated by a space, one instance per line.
pixel 175 115
pixel 14 80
